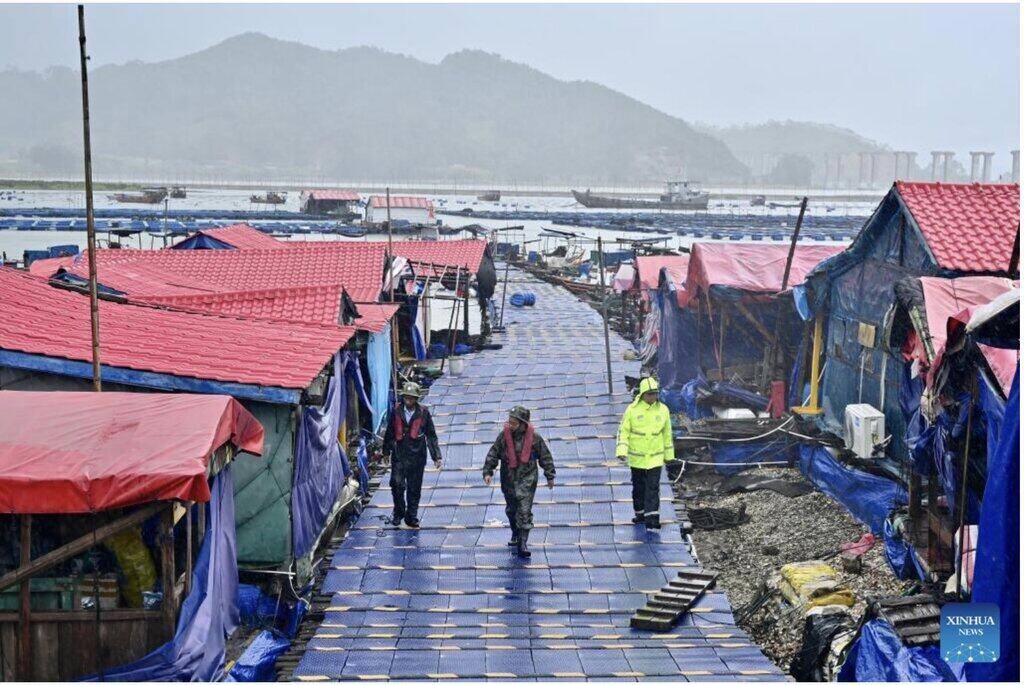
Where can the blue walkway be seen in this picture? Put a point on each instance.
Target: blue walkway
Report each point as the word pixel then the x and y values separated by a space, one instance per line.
pixel 452 601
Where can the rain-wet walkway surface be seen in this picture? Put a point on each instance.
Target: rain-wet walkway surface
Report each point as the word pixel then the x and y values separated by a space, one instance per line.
pixel 451 600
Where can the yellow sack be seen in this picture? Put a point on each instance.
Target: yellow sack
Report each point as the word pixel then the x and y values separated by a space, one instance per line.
pixel 813 583
pixel 136 563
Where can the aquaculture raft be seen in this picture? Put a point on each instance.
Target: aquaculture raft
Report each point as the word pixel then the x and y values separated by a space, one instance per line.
pixel 451 599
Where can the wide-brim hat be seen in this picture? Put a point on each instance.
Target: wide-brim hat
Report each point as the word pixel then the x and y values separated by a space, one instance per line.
pixel 411 390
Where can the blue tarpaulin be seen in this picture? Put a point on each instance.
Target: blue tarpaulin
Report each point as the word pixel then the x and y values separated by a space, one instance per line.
pixel 201 241
pixel 857 287
pixel 998 550
pixel 900 555
pixel 867 497
pixel 363 463
pixel 878 655
pixel 378 360
pixel 210 612
pixel 319 472
pixel 256 665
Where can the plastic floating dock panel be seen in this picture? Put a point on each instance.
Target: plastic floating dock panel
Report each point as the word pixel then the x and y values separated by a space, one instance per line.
pixel 452 600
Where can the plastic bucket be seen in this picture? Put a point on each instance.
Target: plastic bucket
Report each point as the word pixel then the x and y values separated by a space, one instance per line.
pixel 456 366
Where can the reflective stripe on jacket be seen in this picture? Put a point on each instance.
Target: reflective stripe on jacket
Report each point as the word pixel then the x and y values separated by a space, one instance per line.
pixel 645 435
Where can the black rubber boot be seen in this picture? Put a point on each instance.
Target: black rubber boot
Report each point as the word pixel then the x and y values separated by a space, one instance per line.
pixel 522 549
pixel 653 522
pixel 514 540
pixel 639 518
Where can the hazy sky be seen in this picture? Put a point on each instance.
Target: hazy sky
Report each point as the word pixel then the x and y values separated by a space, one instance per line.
pixel 916 77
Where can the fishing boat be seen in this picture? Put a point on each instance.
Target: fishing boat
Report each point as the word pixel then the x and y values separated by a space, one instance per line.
pixel 147 196
pixel 269 198
pixel 178 192
pixel 351 231
pixel 677 195
pixel 783 205
pixel 757 201
pixel 490 196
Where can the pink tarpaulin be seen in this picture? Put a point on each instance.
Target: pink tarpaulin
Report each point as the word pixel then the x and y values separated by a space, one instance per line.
pixel 80 452
pixel 649 268
pixel 755 269
pixel 1002 362
pixel 622 282
pixel 946 297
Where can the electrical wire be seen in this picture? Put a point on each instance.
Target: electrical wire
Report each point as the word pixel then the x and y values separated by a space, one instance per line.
pixel 748 439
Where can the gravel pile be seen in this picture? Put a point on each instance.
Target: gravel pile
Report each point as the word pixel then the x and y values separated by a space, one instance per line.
pixel 780 530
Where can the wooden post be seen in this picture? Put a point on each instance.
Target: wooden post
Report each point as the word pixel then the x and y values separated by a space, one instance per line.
pixel 25 612
pixel 604 314
pixel 169 607
pixel 465 309
pixel 188 547
pixel 961 505
pixel 90 224
pixel 792 244
pixel 1015 254
pixel 504 289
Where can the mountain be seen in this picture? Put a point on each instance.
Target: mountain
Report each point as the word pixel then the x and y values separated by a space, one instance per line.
pixel 261 109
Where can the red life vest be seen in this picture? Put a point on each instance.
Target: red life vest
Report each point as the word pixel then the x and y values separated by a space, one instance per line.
pixel 512 459
pixel 414 427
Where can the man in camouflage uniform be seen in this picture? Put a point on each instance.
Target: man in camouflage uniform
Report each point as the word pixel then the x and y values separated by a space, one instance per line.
pixel 518 448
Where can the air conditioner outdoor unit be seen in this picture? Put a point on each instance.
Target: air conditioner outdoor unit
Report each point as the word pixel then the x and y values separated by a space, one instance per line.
pixel 864 429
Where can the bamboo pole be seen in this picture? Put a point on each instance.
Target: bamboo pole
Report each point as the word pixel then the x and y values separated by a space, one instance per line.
pixel 792 244
pixel 604 314
pixel 391 298
pixel 90 224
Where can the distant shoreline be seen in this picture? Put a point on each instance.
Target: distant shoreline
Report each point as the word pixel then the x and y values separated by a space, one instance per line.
pixel 426 188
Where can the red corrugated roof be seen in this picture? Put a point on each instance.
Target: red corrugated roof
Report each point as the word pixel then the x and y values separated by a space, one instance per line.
pixel 467 254
pixel 48 267
pixel 243 236
pixel 752 268
pixel 401 202
pixel 82 452
pixel 357 266
pixel 968 226
pixel 342 195
pixel 319 305
pixel 649 268
pixel 374 317
pixel 36 318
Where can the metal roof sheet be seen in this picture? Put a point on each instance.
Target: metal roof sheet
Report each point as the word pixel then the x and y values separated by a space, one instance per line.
pixel 968 226
pixel 401 202
pixel 339 194
pixel 357 266
pixel 38 319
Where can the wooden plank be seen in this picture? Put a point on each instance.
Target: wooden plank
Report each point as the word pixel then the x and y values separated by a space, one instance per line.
pixel 25 610
pixel 45 651
pixel 80 616
pixel 167 570
pixel 78 546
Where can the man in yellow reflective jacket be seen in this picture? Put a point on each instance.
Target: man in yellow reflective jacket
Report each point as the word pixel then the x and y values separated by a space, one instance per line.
pixel 645 442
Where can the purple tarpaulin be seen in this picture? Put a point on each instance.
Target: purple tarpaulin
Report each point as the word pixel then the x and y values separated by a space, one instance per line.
pixel 319 473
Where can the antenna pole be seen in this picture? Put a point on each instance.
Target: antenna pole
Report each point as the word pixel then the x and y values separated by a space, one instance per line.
pixel 604 314
pixel 90 224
